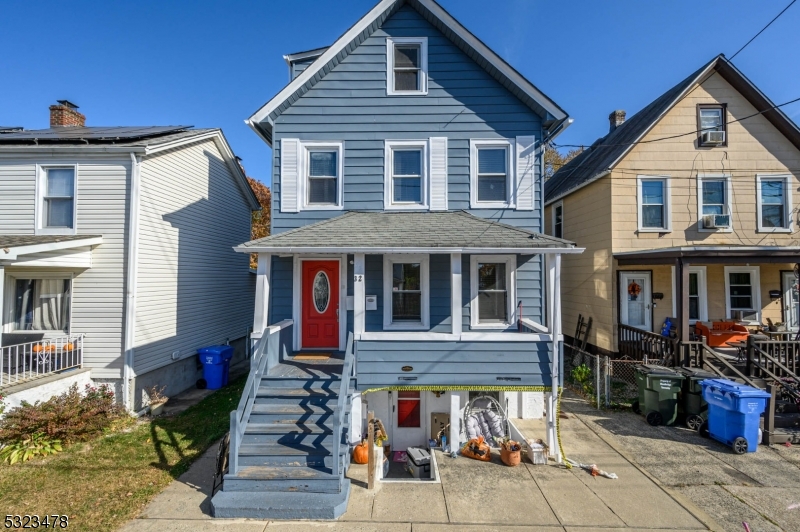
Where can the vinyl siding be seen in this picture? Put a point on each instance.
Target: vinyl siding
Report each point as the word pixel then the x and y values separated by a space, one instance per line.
pixel 193 290
pixel 17 198
pixel 453 363
pixel 350 104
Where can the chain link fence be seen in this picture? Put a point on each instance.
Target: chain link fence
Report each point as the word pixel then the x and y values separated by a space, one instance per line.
pixel 605 382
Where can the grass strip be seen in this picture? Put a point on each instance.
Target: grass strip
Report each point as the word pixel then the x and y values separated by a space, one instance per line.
pixel 102 483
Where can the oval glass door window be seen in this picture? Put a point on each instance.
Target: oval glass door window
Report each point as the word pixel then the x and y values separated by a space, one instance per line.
pixel 322 292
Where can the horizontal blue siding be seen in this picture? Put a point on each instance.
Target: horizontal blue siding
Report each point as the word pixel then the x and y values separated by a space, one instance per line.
pixel 280 307
pixel 453 363
pixel 350 104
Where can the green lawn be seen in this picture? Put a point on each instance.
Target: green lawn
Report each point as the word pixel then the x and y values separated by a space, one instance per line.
pixel 103 483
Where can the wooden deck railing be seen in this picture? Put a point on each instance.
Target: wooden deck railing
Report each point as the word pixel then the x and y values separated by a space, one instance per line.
pixel 644 345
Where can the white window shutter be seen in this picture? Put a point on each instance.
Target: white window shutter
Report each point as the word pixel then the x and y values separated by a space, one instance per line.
pixel 290 174
pixel 526 172
pixel 438 173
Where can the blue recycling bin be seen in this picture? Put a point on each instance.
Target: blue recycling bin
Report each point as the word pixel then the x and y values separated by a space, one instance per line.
pixel 216 361
pixel 734 413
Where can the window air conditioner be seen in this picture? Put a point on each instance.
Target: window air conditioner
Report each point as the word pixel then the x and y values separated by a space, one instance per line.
pixel 713 137
pixel 716 221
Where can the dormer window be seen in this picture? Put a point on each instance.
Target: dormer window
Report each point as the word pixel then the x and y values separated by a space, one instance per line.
pixel 407 66
pixel 711 125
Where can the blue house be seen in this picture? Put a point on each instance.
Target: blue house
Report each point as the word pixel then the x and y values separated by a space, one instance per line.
pixel 407 269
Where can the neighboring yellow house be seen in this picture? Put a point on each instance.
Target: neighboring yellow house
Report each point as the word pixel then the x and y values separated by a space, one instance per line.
pixel 688 209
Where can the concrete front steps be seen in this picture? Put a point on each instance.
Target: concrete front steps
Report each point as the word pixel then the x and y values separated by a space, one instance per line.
pixel 286 457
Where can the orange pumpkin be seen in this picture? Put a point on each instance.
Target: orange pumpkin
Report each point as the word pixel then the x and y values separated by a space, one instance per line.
pixel 50 348
pixel 361 453
pixel 38 348
pixel 69 347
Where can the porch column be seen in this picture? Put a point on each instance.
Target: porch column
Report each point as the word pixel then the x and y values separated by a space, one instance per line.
pixel 682 294
pixel 553 269
pixel 263 278
pixel 359 297
pixel 455 292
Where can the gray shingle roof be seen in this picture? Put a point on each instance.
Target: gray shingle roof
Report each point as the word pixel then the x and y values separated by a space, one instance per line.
pixel 12 241
pixel 414 230
pixel 115 135
pixel 599 157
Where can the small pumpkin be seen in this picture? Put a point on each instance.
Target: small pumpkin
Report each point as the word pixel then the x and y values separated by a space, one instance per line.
pixel 52 347
pixel 38 348
pixel 69 347
pixel 361 453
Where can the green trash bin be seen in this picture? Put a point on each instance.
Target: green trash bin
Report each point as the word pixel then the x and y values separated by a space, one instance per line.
pixel 692 404
pixel 658 394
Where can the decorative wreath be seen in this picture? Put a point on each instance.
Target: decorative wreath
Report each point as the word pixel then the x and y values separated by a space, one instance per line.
pixel 634 289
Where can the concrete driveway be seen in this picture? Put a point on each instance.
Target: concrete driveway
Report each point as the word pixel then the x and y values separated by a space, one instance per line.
pixel 472 496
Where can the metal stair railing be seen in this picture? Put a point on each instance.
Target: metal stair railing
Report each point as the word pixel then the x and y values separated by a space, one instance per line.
pixel 344 388
pixel 787 373
pixel 266 355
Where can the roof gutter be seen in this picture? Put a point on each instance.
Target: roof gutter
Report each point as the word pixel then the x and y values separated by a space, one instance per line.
pixel 391 250
pixel 130 281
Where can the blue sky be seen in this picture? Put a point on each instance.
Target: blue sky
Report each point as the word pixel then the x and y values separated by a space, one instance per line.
pixel 212 63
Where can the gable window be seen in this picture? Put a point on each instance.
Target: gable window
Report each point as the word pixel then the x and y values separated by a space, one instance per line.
pixel 491 175
pixel 654 204
pixel 406 175
pixel 42 304
pixel 56 200
pixel 711 125
pixel 743 292
pixel 714 202
pixel 322 175
pixel 558 220
pixel 774 203
pixel 407 65
pixel 493 291
pixel 406 292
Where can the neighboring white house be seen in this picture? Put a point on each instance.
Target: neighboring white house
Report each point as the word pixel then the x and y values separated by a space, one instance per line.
pixel 116 254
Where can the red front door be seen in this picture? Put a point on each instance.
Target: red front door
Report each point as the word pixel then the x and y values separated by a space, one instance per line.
pixel 320 305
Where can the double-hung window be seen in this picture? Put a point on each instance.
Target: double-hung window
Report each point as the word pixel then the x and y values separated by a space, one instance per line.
pixel 491 175
pixel 56 200
pixel 714 202
pixel 493 291
pixel 558 220
pixel 743 292
pixel 42 304
pixel 774 203
pixel 406 292
pixel 406 176
pixel 407 61
pixel 711 118
pixel 654 204
pixel 322 180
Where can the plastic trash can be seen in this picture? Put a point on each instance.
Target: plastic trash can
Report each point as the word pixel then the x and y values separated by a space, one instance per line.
pixel 216 361
pixel 658 393
pixel 692 404
pixel 734 413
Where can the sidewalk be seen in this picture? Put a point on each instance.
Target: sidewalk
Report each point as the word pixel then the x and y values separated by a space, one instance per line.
pixel 472 496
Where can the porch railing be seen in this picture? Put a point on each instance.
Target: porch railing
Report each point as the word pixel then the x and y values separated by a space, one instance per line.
pixel 31 360
pixel 341 403
pixel 637 344
pixel 275 340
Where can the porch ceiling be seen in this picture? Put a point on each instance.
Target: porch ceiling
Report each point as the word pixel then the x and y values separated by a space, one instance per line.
pixel 11 246
pixel 710 255
pixel 409 232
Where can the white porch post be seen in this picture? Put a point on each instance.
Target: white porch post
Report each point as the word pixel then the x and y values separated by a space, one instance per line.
pixel 264 272
pixel 455 416
pixel 553 268
pixel 359 296
pixel 2 306
pixel 455 292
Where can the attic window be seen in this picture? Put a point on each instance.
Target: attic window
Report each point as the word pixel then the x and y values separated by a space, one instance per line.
pixel 711 125
pixel 407 66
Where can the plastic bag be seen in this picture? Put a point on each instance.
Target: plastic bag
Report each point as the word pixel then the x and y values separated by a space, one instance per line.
pixel 477 449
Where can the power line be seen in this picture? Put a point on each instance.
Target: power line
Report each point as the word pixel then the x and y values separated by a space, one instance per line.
pixel 695 132
pixel 762 29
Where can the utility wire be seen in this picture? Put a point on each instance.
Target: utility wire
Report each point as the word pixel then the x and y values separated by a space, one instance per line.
pixel 762 29
pixel 695 132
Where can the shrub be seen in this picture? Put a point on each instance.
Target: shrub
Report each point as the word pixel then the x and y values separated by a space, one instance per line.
pixel 35 445
pixel 68 417
pixel 583 376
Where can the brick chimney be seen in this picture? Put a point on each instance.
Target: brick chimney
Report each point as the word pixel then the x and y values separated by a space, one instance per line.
pixel 616 119
pixel 66 114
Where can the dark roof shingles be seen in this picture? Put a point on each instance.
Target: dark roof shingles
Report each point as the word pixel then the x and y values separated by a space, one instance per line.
pixel 12 241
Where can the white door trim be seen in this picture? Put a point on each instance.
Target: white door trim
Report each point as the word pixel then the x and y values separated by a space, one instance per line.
pixel 702 291
pixel 423 423
pixel 297 296
pixel 789 314
pixel 646 293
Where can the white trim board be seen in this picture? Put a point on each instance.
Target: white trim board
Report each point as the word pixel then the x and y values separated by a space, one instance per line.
pixel 11 253
pixel 412 250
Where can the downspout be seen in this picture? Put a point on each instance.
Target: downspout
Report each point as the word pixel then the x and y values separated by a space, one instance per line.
pixel 130 282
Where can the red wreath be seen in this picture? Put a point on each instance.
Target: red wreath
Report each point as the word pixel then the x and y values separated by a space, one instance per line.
pixel 634 289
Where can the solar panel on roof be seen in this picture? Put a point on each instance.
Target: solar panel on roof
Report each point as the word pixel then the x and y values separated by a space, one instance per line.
pixel 97 134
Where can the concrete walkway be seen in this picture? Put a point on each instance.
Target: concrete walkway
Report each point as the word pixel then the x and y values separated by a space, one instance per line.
pixel 472 496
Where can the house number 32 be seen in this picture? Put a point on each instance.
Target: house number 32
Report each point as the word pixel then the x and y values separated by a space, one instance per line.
pixel 359 278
